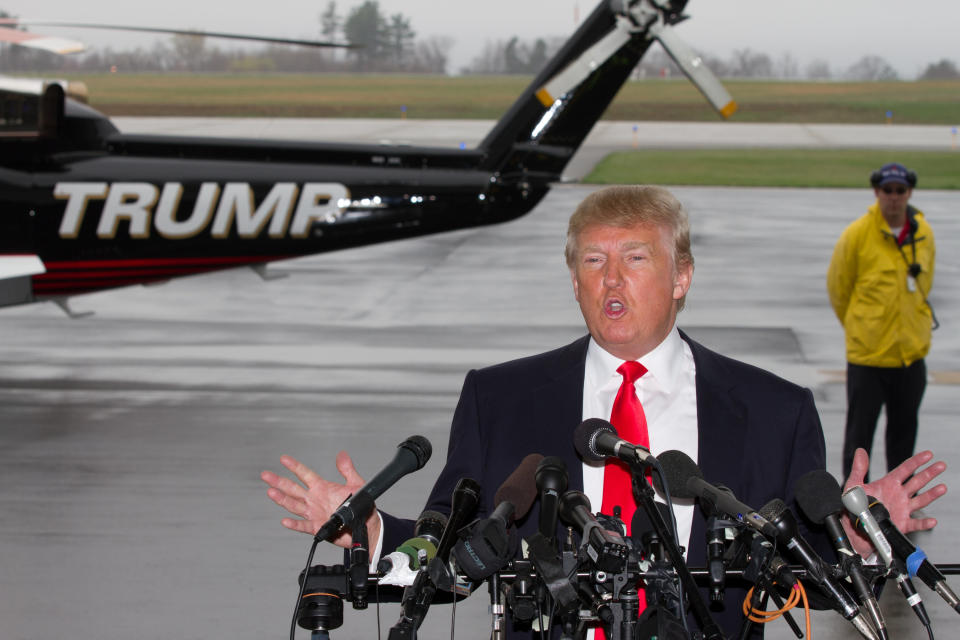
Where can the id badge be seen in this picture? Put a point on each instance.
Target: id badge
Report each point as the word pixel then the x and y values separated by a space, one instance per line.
pixel 911 283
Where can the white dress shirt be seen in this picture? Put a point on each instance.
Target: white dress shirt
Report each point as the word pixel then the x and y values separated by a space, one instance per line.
pixel 668 394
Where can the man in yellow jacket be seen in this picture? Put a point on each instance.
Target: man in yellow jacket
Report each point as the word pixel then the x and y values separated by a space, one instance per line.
pixel 879 280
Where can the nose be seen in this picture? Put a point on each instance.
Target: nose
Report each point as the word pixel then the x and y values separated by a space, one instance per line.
pixel 612 277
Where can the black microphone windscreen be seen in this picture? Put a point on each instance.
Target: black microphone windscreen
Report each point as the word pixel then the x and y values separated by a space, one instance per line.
pixel 551 473
pixel 584 436
pixel 420 447
pixel 818 494
pixel 641 522
pixel 678 469
pixel 569 502
pixel 520 487
pixel 430 525
pixel 773 509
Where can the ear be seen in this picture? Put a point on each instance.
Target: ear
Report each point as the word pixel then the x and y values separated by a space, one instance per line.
pixel 576 285
pixel 682 280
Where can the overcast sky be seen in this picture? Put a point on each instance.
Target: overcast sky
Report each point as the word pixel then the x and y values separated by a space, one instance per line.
pixel 909 35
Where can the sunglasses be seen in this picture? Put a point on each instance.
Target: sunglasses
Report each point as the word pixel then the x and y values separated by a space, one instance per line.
pixel 898 190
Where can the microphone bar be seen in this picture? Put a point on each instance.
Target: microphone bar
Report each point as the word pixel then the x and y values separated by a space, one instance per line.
pixel 701 574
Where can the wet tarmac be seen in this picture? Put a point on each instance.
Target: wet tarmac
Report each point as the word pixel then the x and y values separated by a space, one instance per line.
pixel 131 441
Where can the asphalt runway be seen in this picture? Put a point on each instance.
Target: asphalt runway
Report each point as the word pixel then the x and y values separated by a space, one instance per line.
pixel 132 440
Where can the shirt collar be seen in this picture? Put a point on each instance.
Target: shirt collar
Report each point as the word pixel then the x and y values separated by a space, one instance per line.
pixel 663 363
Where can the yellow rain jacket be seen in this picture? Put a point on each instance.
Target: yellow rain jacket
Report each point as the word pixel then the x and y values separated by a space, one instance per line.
pixel 885 316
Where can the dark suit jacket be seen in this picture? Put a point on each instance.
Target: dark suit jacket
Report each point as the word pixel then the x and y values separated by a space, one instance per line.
pixel 757 435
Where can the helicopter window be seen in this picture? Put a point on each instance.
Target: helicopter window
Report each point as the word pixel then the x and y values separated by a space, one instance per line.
pixel 19 114
pixel 31 113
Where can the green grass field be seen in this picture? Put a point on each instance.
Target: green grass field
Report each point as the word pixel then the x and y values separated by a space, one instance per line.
pixel 773 167
pixel 487 97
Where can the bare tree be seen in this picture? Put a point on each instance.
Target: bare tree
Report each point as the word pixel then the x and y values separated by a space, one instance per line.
pixel 433 54
pixel 871 69
pixel 787 66
pixel 490 60
pixel 330 21
pixel 819 69
pixel 189 51
pixel 400 38
pixel 746 63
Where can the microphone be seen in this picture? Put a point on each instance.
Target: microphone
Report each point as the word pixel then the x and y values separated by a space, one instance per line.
pixel 857 503
pixel 490 543
pixel 411 455
pixel 551 478
pixel 596 440
pixel 419 594
pixel 778 514
pixel 463 504
pixel 818 495
pixel 607 548
pixel 914 557
pixel 685 480
pixel 416 552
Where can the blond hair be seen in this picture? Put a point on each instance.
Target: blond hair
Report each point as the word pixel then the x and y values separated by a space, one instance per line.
pixel 627 206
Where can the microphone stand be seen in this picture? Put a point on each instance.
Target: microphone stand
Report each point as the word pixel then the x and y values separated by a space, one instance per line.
pixel 761 573
pixel 359 567
pixel 644 494
pixel 497 615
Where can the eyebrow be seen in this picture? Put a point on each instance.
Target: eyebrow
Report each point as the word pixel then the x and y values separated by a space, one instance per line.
pixel 627 246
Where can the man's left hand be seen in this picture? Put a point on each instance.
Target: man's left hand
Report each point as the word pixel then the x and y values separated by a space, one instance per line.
pixel 899 491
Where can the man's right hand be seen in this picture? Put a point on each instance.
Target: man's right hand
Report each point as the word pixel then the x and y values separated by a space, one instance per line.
pixel 314 501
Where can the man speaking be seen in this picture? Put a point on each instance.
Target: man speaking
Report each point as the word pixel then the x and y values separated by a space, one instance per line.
pixel 628 252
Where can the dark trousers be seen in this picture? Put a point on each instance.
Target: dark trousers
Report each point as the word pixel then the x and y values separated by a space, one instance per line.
pixel 870 388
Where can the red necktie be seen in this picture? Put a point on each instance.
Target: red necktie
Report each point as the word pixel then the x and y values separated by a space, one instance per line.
pixel 631 424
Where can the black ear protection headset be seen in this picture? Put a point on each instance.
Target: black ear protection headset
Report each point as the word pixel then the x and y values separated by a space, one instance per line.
pixel 877 176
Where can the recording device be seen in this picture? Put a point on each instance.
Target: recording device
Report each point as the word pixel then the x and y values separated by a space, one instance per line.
pixel 818 495
pixel 463 504
pixel 607 549
pixel 399 567
pixel 914 557
pixel 418 597
pixel 778 514
pixel 857 503
pixel 551 478
pixel 596 440
pixel 490 543
pixel 686 481
pixel 411 455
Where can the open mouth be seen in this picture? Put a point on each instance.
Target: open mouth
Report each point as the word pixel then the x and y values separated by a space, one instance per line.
pixel 614 308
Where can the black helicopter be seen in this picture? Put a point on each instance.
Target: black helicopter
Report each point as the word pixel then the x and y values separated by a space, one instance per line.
pixel 87 208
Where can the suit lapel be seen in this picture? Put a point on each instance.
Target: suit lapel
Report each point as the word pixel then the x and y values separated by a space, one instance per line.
pixel 721 429
pixel 559 407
